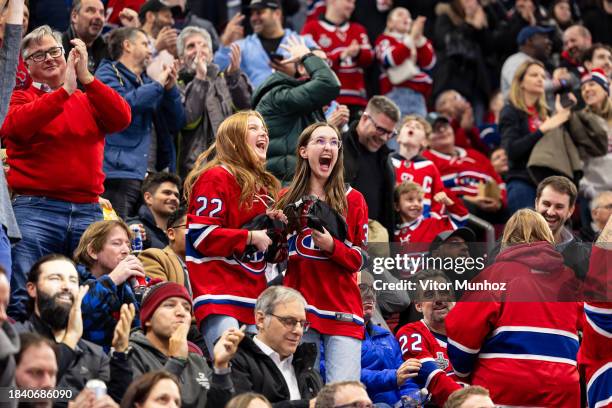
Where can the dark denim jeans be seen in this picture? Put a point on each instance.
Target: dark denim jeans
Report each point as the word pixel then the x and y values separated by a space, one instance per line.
pixel 5 252
pixel 47 226
pixel 124 195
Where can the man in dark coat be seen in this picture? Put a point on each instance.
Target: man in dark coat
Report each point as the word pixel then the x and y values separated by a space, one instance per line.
pixel 273 362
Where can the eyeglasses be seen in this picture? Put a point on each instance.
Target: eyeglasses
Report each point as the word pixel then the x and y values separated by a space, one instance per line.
pixel 607 206
pixel 321 142
pixel 291 323
pixel 40 56
pixel 357 404
pixel 379 129
pixel 179 226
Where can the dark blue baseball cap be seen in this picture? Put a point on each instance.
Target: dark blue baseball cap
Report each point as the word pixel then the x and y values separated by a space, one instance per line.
pixel 529 31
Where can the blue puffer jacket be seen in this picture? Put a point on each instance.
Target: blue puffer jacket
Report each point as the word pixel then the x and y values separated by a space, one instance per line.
pixel 380 358
pixel 255 62
pixel 126 154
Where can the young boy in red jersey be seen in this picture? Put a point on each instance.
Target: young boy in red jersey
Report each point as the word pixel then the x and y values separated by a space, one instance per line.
pixel 414 227
pixel 426 340
pixel 409 165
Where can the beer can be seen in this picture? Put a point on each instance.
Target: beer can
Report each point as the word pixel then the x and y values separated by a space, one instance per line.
pixel 136 239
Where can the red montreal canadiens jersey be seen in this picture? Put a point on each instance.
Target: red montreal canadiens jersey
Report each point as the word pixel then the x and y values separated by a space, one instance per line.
pixel 595 354
pixel 462 173
pixel 221 283
pixel 436 373
pixel 334 40
pixel 422 230
pixel 329 281
pixel 425 173
pixel 392 51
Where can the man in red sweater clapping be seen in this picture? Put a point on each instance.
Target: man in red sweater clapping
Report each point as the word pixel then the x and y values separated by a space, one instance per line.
pixel 54 135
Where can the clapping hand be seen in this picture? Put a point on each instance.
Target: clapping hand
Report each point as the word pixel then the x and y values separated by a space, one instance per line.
pixel 74 328
pixel 81 61
pixel 235 58
pixel 121 336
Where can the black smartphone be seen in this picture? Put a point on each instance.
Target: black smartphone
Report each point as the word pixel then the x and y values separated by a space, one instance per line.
pixel 566 101
pixel 276 57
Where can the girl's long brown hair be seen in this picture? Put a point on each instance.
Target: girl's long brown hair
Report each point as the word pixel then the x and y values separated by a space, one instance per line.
pixel 232 151
pixel 335 192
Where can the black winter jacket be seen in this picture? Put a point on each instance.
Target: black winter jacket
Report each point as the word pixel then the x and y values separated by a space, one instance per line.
pixel 351 153
pixel 156 237
pixel 518 141
pixel 253 370
pixel 86 362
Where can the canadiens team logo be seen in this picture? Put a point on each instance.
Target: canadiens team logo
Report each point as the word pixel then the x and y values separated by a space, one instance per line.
pixel 303 245
pixel 256 266
pixel 324 41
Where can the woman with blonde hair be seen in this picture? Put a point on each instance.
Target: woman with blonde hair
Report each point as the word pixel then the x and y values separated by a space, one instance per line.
pixel 323 267
pixel 522 123
pixel 227 188
pixel 526 226
pixel 518 318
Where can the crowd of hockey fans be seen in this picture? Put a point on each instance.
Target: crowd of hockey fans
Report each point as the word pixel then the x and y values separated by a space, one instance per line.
pixel 305 203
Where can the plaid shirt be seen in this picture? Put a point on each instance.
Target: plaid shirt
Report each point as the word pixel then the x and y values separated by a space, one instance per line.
pixel 101 306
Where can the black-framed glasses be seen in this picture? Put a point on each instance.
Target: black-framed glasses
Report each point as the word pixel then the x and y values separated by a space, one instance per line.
pixel 291 322
pixel 357 404
pixel 40 56
pixel 179 226
pixel 379 129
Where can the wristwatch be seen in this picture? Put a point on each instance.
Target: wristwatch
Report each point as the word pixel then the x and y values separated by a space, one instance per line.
pixel 120 355
pixel 305 56
pixel 222 371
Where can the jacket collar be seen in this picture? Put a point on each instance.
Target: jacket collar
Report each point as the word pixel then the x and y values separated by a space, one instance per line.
pixel 98 43
pixel 329 26
pixel 128 74
pixel 304 356
pixel 145 214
